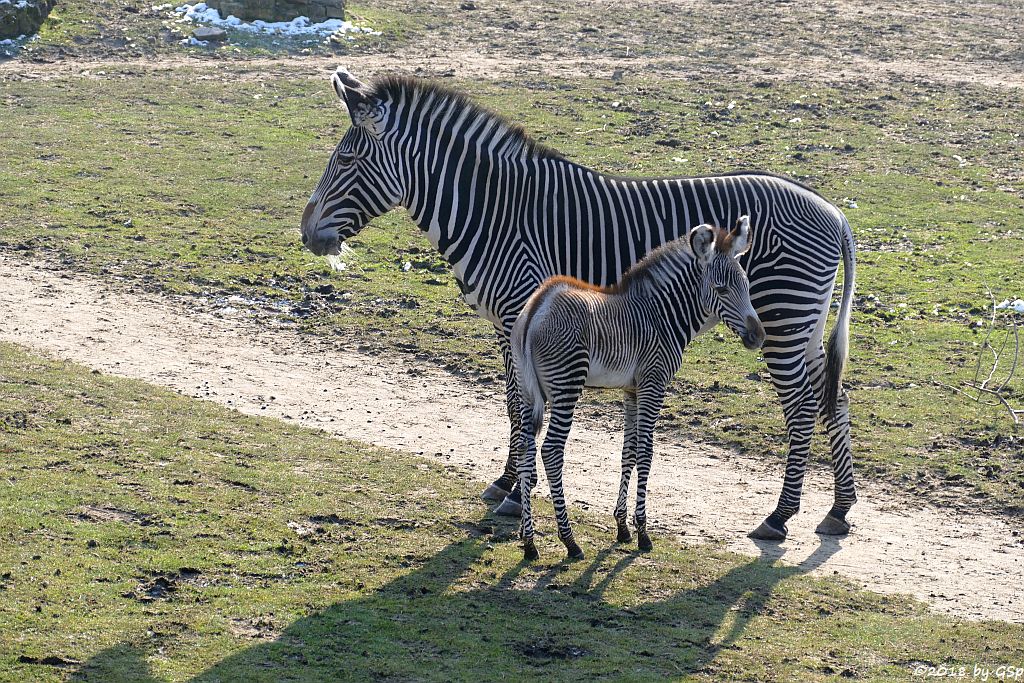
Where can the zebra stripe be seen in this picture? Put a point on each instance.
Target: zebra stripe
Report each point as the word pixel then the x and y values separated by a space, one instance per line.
pixel 631 336
pixel 507 213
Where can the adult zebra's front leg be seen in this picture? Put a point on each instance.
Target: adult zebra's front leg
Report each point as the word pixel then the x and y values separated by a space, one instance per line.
pixel 505 489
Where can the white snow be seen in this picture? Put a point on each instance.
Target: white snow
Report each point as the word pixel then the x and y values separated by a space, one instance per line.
pixel 201 13
pixel 1016 305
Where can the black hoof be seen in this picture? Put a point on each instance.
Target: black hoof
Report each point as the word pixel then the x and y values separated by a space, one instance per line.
pixel 767 532
pixel 833 526
pixel 623 535
pixel 494 493
pixel 643 541
pixel 574 551
pixel 509 508
pixel 530 551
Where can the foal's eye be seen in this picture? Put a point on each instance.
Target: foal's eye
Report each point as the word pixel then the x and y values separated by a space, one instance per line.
pixel 721 289
pixel 346 158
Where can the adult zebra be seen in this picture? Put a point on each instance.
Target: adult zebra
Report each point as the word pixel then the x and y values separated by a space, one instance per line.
pixel 507 212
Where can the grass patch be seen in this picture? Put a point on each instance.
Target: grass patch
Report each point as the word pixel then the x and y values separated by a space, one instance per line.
pixel 148 536
pixel 193 182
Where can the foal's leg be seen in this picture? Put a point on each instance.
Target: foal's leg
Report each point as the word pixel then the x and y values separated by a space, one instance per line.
pixel 527 480
pixel 649 402
pixel 628 463
pixel 563 404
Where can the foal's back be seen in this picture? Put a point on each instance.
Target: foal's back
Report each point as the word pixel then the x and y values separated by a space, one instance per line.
pixel 568 320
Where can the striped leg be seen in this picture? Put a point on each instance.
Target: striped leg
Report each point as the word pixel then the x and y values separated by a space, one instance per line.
pixel 793 386
pixel 563 404
pixel 838 426
pixel 649 402
pixel 503 488
pixel 628 463
pixel 527 480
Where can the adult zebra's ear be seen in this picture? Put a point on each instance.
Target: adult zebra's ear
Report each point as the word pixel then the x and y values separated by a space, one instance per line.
pixel 365 108
pixel 739 238
pixel 702 242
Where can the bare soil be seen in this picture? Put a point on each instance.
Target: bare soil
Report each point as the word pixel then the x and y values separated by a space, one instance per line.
pixel 961 562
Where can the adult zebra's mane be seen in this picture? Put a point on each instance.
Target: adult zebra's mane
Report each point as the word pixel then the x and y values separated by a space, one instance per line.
pixel 405 88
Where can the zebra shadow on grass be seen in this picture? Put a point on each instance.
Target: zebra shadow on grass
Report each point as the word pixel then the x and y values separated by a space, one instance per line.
pixel 439 622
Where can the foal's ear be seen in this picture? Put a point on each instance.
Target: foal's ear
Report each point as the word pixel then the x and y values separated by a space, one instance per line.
pixel 740 237
pixel 365 108
pixel 702 241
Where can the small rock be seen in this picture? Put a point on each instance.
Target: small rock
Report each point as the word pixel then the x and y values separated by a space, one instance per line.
pixel 468 5
pixel 211 33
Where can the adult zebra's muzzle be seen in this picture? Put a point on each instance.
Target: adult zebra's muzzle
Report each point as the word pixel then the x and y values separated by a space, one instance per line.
pixel 319 242
pixel 753 334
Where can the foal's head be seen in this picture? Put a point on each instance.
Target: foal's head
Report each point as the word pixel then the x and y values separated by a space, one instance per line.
pixel 724 289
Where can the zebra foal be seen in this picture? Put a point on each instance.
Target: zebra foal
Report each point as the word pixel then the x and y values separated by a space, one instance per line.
pixel 630 336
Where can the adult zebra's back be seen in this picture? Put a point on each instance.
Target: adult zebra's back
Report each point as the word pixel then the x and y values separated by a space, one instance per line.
pixel 507 213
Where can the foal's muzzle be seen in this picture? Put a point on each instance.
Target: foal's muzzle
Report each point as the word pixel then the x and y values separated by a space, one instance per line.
pixel 753 335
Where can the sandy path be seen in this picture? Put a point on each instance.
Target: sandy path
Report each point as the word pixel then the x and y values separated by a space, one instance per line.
pixel 963 564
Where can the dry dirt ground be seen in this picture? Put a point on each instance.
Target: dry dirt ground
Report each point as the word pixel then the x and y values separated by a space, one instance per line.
pixel 965 564
pixel 839 41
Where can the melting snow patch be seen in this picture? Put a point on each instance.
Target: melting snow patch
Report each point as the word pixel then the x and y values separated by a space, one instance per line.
pixel 202 14
pixel 9 47
pixel 1017 305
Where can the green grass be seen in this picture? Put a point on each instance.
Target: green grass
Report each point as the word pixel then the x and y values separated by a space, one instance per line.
pixel 194 185
pixel 148 536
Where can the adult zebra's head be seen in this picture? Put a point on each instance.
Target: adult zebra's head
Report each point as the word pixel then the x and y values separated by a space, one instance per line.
pixel 361 180
pixel 725 291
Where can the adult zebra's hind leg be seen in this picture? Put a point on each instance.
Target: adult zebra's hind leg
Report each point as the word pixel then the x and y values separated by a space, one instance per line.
pixel 788 369
pixel 628 463
pixel 837 423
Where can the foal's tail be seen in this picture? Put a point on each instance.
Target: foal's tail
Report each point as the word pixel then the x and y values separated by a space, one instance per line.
pixel 839 340
pixel 530 393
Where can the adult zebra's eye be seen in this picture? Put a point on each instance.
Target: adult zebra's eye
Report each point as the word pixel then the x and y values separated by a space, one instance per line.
pixel 346 158
pixel 721 289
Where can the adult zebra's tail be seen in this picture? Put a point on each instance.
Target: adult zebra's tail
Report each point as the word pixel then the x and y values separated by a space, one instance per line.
pixel 839 341
pixel 530 392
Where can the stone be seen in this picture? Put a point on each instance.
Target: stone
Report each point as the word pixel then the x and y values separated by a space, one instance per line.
pixel 210 33
pixel 24 20
pixel 280 10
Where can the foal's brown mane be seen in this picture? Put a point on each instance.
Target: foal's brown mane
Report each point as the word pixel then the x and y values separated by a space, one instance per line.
pixel 642 268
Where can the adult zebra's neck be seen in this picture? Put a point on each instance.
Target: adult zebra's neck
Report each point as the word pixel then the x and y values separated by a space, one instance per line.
pixel 465 169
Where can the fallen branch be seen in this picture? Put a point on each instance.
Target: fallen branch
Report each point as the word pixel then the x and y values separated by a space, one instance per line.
pixel 982 387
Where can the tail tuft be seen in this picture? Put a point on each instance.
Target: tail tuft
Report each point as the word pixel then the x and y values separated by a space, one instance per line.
pixel 530 393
